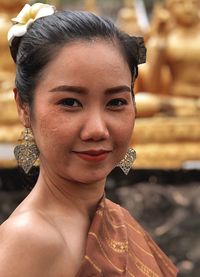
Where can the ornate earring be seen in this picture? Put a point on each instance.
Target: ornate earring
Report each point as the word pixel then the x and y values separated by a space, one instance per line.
pixel 127 161
pixel 27 152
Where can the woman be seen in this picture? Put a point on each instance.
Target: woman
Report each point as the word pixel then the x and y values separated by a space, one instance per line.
pixel 74 96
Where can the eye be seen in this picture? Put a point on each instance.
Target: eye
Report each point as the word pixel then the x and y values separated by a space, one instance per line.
pixel 70 102
pixel 117 103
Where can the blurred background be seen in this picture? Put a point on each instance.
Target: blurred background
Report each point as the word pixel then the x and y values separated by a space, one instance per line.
pixel 162 191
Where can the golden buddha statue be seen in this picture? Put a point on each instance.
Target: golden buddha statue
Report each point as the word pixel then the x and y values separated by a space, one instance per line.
pixel 9 125
pixel 178 49
pixel 173 60
pixel 8 10
pixel 127 19
pixel 168 132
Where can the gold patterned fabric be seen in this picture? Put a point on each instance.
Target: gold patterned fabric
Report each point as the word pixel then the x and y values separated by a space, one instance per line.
pixel 118 246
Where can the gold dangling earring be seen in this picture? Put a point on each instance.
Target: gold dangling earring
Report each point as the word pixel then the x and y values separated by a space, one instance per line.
pixel 27 152
pixel 127 162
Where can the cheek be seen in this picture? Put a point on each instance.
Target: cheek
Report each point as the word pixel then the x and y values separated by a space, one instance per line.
pixel 50 128
pixel 124 127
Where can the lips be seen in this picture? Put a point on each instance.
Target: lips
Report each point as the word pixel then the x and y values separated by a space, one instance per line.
pixel 93 155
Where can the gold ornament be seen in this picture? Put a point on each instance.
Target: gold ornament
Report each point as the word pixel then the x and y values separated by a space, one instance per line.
pixel 127 162
pixel 27 152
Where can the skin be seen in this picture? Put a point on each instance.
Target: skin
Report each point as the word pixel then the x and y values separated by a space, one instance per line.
pixel 97 113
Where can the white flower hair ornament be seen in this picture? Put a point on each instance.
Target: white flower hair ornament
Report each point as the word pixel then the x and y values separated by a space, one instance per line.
pixel 26 17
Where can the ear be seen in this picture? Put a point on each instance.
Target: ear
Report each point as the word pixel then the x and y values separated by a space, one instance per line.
pixel 23 110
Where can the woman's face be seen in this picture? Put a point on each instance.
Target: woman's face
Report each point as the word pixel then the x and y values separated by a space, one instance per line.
pixel 83 112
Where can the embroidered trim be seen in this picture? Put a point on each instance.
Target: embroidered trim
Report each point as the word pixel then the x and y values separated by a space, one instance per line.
pixel 102 250
pixel 93 264
pixel 136 244
pixel 143 268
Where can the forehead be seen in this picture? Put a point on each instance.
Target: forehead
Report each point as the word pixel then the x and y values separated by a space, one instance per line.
pixel 97 53
pixel 95 61
pixel 91 46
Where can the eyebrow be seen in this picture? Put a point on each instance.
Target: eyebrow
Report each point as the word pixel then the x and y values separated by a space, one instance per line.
pixel 118 89
pixel 66 88
pixel 82 90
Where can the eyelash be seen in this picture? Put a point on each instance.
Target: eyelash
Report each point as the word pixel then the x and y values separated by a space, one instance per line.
pixel 116 103
pixel 69 102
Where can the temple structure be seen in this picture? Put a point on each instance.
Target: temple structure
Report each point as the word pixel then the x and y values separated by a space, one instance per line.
pixel 10 127
pixel 167 131
pixel 167 134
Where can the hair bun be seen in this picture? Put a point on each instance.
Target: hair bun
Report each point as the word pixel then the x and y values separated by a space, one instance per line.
pixel 141 50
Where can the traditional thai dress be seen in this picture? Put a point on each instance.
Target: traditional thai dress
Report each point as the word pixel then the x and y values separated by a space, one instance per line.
pixel 118 246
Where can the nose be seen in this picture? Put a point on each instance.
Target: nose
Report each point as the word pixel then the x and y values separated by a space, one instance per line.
pixel 95 127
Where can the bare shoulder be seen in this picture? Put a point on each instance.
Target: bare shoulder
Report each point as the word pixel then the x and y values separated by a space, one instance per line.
pixel 28 243
pixel 29 225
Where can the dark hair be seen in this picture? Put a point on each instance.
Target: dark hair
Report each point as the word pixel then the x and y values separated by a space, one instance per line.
pixel 47 35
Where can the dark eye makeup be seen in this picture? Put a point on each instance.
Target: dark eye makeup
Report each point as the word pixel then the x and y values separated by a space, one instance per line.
pixel 70 102
pixel 115 103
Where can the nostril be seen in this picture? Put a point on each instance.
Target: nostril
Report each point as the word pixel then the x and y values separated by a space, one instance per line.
pixel 94 133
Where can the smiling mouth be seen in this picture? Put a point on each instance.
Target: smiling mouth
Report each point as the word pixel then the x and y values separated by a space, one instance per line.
pixel 93 155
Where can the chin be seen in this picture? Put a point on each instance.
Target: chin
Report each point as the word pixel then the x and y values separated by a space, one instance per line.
pixel 93 176
pixel 90 178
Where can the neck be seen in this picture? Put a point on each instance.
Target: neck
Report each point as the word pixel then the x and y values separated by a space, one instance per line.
pixel 67 195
